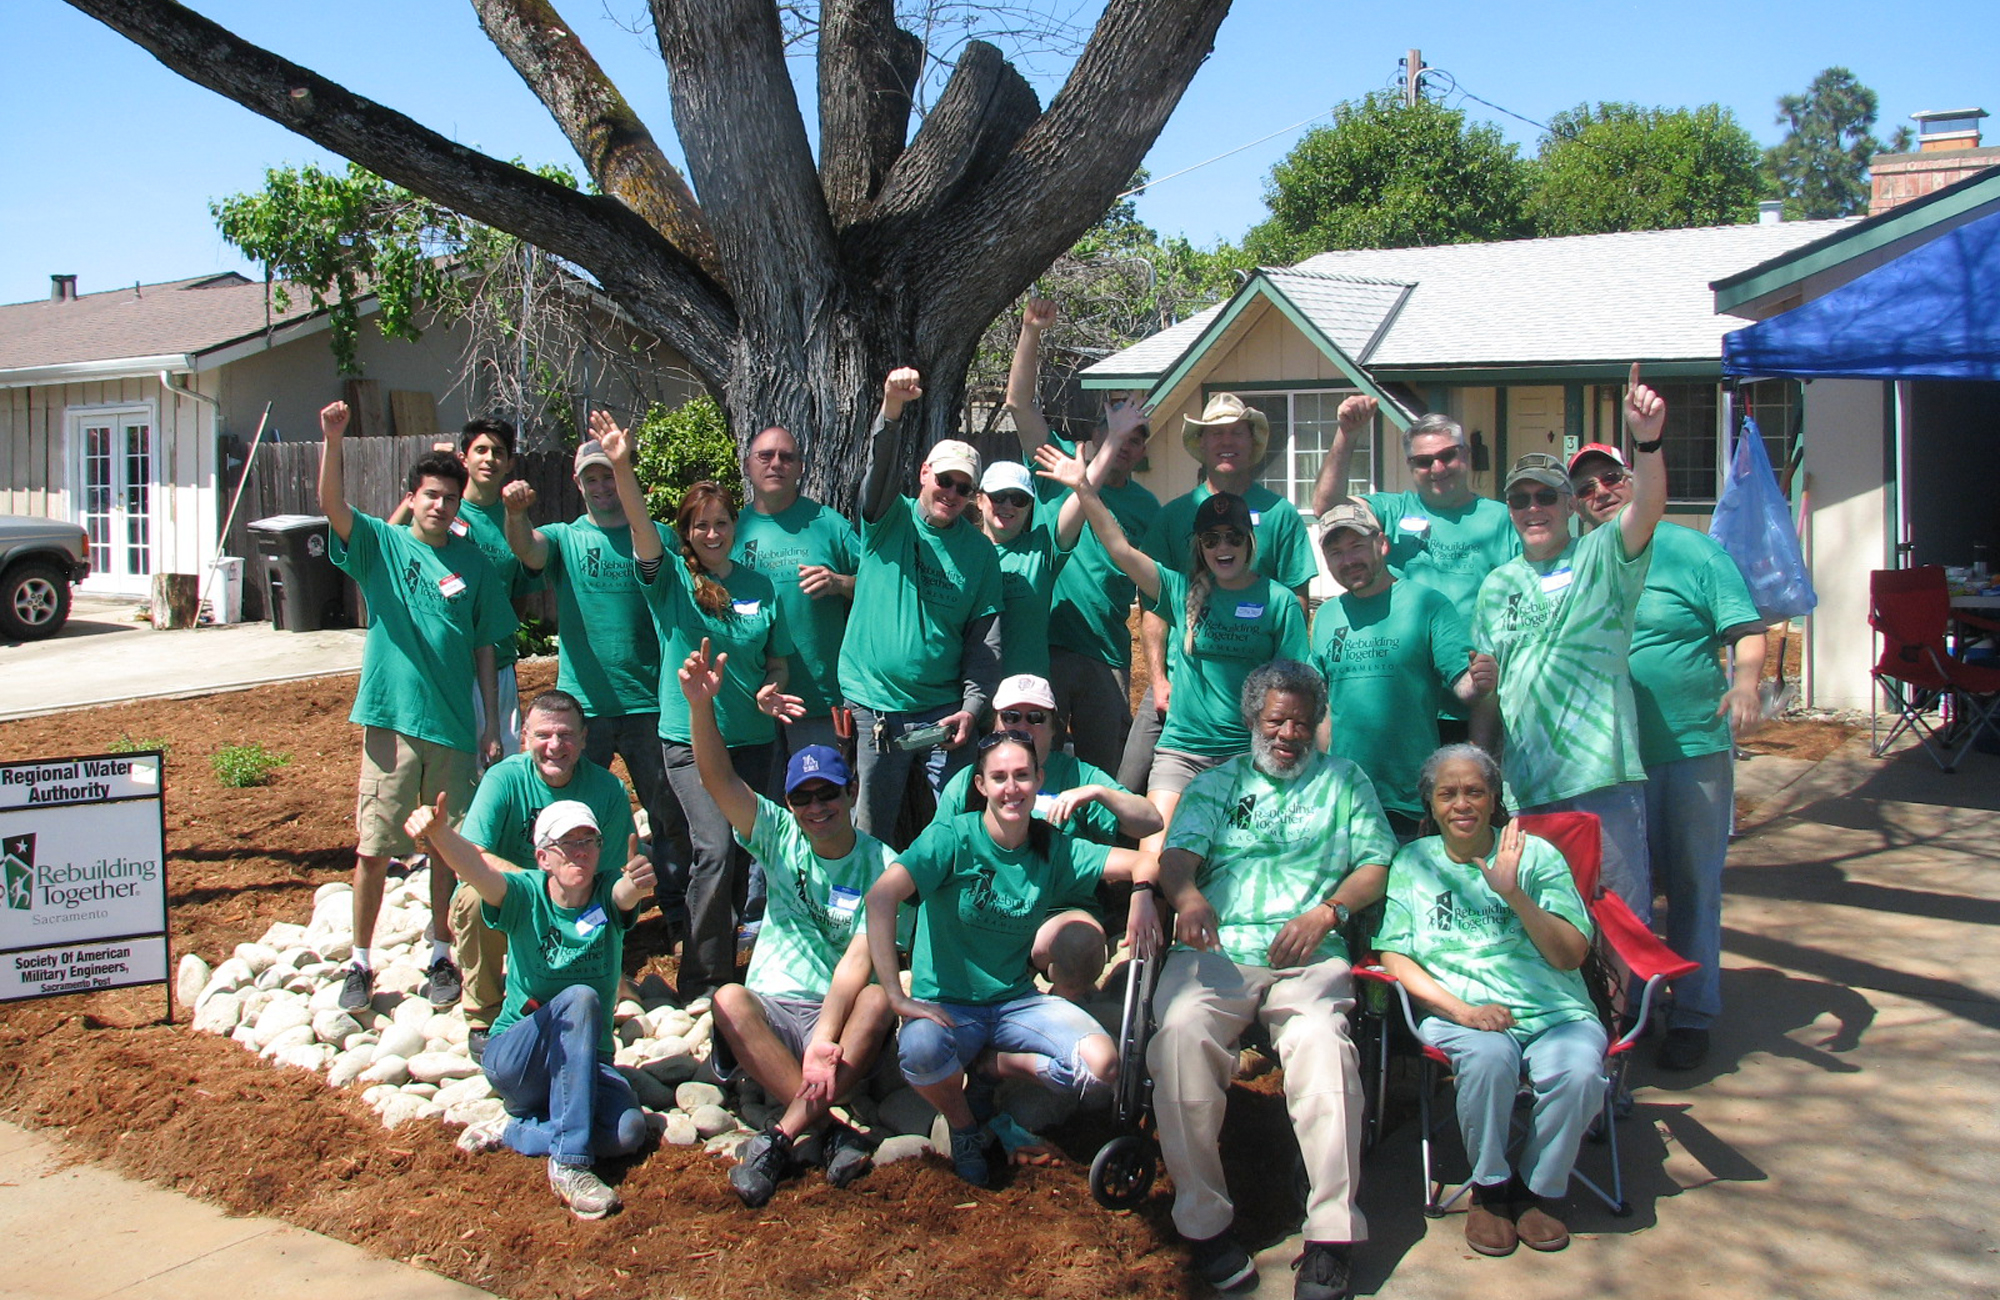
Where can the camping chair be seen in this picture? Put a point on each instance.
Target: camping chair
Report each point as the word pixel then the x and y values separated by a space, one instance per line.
pixel 1622 941
pixel 1910 609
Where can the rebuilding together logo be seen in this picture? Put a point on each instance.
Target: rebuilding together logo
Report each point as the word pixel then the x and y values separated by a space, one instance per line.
pixel 67 887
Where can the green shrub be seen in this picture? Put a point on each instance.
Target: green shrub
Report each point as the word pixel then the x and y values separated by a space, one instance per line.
pixel 534 636
pixel 238 766
pixel 681 446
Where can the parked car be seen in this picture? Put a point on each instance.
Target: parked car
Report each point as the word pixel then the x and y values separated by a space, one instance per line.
pixel 39 559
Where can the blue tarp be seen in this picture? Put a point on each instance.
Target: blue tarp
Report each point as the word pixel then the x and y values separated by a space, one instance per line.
pixel 1933 313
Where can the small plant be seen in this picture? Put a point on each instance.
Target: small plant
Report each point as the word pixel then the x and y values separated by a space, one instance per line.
pixel 535 636
pixel 239 766
pixel 125 744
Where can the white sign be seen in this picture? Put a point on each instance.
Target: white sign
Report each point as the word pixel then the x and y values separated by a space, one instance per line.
pixel 83 863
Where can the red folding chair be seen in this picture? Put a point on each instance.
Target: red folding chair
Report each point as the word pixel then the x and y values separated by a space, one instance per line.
pixel 1910 609
pixel 1622 940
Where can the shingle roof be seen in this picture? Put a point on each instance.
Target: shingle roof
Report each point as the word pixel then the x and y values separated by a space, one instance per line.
pixel 178 316
pixel 1637 295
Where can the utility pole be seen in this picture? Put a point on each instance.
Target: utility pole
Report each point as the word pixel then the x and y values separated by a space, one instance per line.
pixel 1413 77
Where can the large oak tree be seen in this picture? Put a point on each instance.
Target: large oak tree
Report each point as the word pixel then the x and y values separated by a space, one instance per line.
pixel 791 284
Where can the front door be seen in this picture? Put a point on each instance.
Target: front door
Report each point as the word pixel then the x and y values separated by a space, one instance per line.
pixel 114 494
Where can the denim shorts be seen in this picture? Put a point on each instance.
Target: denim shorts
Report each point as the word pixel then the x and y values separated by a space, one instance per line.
pixel 1050 1027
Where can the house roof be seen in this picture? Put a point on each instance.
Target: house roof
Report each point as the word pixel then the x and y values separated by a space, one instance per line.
pixel 177 317
pixel 1602 299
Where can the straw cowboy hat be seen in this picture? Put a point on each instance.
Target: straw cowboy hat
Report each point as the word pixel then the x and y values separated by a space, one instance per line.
pixel 1227 408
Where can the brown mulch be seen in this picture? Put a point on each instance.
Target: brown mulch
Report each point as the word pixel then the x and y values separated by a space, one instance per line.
pixel 201 1115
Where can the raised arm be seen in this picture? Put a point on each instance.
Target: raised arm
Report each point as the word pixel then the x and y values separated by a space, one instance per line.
pixel 878 481
pixel 1330 488
pixel 1023 401
pixel 430 825
pixel 1561 944
pixel 701 678
pixel 332 472
pixel 1646 424
pixel 635 884
pixel 617 444
pixel 523 538
pixel 1071 473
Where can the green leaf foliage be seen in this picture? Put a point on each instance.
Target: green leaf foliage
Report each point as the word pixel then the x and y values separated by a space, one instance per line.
pixel 242 766
pixel 1820 168
pixel 1610 167
pixel 1390 175
pixel 684 445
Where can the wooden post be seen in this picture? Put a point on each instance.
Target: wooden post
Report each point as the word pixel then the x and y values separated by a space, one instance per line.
pixel 176 600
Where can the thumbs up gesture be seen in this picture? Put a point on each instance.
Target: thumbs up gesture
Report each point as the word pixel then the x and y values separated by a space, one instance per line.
pixel 418 826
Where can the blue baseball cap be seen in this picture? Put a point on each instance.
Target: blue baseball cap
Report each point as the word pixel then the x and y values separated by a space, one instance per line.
pixel 816 763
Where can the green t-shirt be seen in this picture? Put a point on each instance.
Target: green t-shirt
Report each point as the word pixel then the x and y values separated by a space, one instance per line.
pixel 815 908
pixel 1029 565
pixel 552 948
pixel 1390 661
pixel 1450 551
pixel 1284 549
pixel 429 609
pixel 512 794
pixel 805 532
pixel 1694 593
pixel 1562 633
pixel 486 526
pixel 750 631
pixel 1235 633
pixel 1441 915
pixel 1063 771
pixel 1093 597
pixel 610 654
pixel 915 592
pixel 1272 849
pixel 979 906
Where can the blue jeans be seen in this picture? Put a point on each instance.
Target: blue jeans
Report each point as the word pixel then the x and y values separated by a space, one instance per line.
pixel 1566 1069
pixel 635 737
pixel 724 884
pixel 1688 807
pixel 1621 810
pixel 565 1103
pixel 1049 1027
pixel 884 772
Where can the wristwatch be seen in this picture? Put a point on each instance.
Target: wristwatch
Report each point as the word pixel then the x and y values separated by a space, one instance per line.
pixel 1649 447
pixel 1152 887
pixel 1341 913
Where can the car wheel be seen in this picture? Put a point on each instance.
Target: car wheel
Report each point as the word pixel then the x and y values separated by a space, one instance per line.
pixel 34 601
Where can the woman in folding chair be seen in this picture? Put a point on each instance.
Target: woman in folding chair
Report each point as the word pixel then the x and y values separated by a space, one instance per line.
pixel 1484 927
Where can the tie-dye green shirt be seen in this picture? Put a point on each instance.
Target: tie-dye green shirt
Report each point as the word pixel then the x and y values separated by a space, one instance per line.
pixel 1561 630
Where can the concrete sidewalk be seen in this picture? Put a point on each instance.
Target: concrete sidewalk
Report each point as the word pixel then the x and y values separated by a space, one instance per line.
pixel 102 656
pixel 81 1232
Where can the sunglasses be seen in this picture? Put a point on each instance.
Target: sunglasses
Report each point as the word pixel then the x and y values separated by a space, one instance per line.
pixel 1015 717
pixel 1008 737
pixel 957 486
pixel 1539 497
pixel 1221 537
pixel 1019 500
pixel 807 796
pixel 1610 478
pixel 1449 456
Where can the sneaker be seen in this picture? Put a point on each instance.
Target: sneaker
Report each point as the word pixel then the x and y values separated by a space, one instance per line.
pixel 357 988
pixel 1682 1049
pixel 968 1154
pixel 586 1195
pixel 486 1135
pixel 475 1044
pixel 1323 1272
pixel 846 1155
pixel 1224 1264
pixel 442 983
pixel 1538 1229
pixel 760 1164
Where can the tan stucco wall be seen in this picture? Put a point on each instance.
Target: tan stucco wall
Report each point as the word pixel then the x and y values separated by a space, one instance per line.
pixel 1847 535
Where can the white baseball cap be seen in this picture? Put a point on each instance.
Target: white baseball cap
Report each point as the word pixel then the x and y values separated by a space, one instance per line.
pixel 1024 688
pixel 560 818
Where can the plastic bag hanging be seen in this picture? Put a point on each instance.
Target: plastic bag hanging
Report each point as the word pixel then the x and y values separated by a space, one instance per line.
pixel 1753 522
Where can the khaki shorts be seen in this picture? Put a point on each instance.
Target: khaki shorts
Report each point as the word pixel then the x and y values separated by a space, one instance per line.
pixel 1173 769
pixel 399 772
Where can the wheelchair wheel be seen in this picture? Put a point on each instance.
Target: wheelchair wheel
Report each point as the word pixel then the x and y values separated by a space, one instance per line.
pixel 1122 1174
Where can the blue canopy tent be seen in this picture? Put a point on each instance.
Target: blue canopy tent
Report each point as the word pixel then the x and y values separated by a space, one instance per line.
pixel 1933 313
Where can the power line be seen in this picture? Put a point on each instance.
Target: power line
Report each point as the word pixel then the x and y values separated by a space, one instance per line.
pixel 1219 157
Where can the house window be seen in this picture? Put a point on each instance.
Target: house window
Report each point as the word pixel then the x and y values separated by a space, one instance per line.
pixel 1302 426
pixel 1777 405
pixel 1692 448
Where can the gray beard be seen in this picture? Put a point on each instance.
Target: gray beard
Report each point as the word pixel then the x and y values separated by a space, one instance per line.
pixel 1263 755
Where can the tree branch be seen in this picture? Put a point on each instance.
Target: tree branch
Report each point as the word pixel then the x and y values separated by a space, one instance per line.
pixel 868 70
pixel 621 154
pixel 985 109
pixel 630 258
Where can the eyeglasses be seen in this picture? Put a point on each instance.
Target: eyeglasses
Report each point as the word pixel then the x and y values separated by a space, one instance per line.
pixel 957 486
pixel 1449 456
pixel 1539 497
pixel 1019 500
pixel 570 848
pixel 1007 737
pixel 1610 478
pixel 775 455
pixel 1221 537
pixel 1015 717
pixel 806 796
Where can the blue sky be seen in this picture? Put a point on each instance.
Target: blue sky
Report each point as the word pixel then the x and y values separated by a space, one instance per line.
pixel 113 159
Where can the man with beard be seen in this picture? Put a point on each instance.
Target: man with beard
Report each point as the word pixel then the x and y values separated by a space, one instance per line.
pixel 1392 653
pixel 1268 856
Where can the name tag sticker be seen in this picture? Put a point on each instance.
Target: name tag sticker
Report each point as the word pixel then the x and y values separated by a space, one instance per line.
pixel 590 922
pixel 1413 524
pixel 1256 517
pixel 458 528
pixel 1555 583
pixel 746 608
pixel 844 902
pixel 1044 802
pixel 1248 610
pixel 451 585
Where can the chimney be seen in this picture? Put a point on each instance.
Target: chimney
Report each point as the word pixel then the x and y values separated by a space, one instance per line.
pixel 1948 151
pixel 62 288
pixel 1770 211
